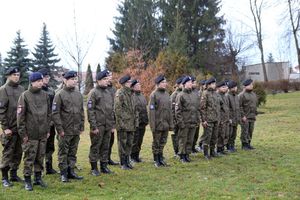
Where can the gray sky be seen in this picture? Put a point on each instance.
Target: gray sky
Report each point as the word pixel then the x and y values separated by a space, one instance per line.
pixel 95 20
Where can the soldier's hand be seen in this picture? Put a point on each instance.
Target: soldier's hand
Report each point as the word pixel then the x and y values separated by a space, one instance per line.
pixel 204 124
pixel 62 134
pixel 25 139
pixel 96 131
pixel 8 132
pixel 244 119
pixel 48 135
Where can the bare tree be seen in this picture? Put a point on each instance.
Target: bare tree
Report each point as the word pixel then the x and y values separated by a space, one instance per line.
pixel 294 15
pixel 256 10
pixel 75 49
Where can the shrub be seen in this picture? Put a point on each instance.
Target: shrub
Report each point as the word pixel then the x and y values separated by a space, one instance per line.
pixel 259 90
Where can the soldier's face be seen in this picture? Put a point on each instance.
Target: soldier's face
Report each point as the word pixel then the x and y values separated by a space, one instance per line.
pixel 212 86
pixel 163 84
pixel 128 83
pixel 103 82
pixel 71 82
pixel 37 84
pixel 194 84
pixel 137 87
pixel 233 89
pixel 223 89
pixel 188 85
pixel 15 77
pixel 46 79
pixel 109 78
pixel 249 87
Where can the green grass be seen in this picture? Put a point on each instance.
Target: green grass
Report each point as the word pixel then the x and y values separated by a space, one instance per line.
pixel 272 171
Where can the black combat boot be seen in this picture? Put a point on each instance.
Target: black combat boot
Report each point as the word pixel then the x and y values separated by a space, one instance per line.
pixel 5 181
pixel 138 159
pixel 64 176
pixel 128 163
pixel 187 157
pixel 104 169
pixel 156 160
pixel 94 169
pixel 213 153
pixel 49 167
pixel 111 162
pixel 205 152
pixel 38 180
pixel 28 184
pixel 249 146
pixel 133 157
pixel 182 158
pixel 14 176
pixel 73 175
pixel 124 163
pixel 161 160
pixel 245 146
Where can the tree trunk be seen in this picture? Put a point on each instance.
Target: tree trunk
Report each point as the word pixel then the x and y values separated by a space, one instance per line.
pixel 295 28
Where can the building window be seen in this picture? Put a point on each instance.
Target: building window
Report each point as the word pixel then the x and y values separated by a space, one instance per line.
pixel 253 73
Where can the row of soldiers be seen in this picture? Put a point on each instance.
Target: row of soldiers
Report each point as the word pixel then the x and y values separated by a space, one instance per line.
pixel 29 119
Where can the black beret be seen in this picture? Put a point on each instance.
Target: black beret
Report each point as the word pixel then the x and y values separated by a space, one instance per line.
pixel 70 74
pixel 186 79
pixel 159 79
pixel 124 79
pixel 12 70
pixel 247 82
pixel 102 74
pixel 193 78
pixel 179 80
pixel 35 76
pixel 202 82
pixel 232 84
pixel 211 80
pixel 44 71
pixel 221 84
pixel 134 82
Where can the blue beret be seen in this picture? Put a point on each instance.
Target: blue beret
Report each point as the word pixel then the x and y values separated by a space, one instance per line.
pixel 202 82
pixel 12 70
pixel 247 82
pixel 124 79
pixel 70 74
pixel 232 84
pixel 211 80
pixel 179 80
pixel 186 79
pixel 34 76
pixel 44 71
pixel 221 84
pixel 159 79
pixel 102 74
pixel 134 82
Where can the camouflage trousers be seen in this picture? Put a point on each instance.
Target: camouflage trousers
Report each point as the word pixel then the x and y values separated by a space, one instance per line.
pixel 111 143
pixel 197 131
pixel 67 151
pixel 247 131
pixel 34 154
pixel 185 139
pixel 223 134
pixel 159 141
pixel 210 134
pixel 50 147
pixel 100 145
pixel 12 151
pixel 125 140
pixel 138 139
pixel 232 134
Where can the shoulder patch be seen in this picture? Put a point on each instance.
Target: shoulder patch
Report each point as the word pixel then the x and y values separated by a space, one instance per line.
pixel 19 110
pixel 89 105
pixel 53 106
pixel 152 107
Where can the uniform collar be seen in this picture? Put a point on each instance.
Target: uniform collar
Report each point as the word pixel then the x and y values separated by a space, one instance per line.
pixel 12 84
pixel 35 90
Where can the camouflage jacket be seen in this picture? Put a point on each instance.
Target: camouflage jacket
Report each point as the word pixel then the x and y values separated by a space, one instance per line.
pixel 224 108
pixel 234 108
pixel 173 101
pixel 210 106
pixel 248 104
pixel 141 108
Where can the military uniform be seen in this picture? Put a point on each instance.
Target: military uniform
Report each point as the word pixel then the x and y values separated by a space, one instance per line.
pixel 12 149
pixel 223 130
pixel 175 131
pixel 248 108
pixel 68 117
pixel 210 113
pixel 187 113
pixel 126 123
pixel 34 118
pixel 235 118
pixel 101 117
pixel 141 108
pixel 197 96
pixel 161 122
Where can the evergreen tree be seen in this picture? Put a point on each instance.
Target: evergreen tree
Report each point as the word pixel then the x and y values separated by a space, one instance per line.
pixel 2 72
pixel 98 68
pixel 18 56
pixel 45 57
pixel 89 83
pixel 270 58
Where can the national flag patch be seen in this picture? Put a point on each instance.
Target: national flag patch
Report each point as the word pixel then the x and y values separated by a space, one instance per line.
pixel 54 106
pixel 152 107
pixel 19 110
pixel 90 103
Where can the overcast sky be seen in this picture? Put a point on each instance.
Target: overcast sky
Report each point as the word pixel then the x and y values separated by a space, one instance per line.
pixel 95 20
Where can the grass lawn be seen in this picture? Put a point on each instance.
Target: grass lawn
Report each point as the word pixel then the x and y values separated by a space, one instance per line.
pixel 272 171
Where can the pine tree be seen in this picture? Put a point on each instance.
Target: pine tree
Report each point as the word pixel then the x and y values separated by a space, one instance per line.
pixel 98 68
pixel 270 58
pixel 2 72
pixel 45 57
pixel 18 56
pixel 89 83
